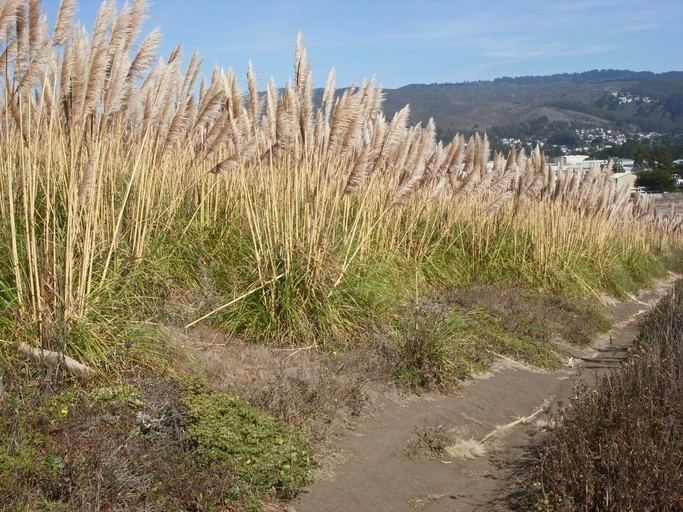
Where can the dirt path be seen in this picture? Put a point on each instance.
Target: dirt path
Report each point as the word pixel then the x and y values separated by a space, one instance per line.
pixel 375 474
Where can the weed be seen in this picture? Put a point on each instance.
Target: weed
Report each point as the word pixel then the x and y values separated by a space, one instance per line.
pixel 430 440
pixel 427 349
pixel 442 344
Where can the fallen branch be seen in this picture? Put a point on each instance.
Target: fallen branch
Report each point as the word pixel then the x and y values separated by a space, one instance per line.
pixel 509 359
pixel 233 301
pixel 296 351
pixel 51 358
pixel 471 448
pixel 503 428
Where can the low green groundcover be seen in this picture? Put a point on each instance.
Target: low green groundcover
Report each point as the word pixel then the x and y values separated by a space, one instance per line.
pixel 262 451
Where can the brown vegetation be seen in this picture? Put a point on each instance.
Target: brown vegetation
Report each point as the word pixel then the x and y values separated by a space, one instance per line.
pixel 620 447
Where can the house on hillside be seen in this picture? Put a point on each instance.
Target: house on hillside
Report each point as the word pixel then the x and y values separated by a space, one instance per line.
pixel 584 163
pixel 570 160
pixel 580 163
pixel 626 164
pixel 625 179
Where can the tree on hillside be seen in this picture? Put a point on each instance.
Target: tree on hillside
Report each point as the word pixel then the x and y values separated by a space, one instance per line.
pixel 564 138
pixel 673 104
pixel 660 157
pixel 660 180
pixel 641 154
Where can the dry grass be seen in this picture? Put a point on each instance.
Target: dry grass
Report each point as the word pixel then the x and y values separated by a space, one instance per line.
pixel 319 392
pixel 429 440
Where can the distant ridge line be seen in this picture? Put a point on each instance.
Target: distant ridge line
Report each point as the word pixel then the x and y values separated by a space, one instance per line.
pixel 594 76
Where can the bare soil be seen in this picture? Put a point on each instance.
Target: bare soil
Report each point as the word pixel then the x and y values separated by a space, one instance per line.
pixel 370 468
pixel 322 392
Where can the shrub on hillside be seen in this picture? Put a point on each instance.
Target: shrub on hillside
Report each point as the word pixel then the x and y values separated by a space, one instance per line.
pixel 620 446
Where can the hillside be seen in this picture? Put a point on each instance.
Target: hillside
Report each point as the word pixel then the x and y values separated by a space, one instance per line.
pixel 631 101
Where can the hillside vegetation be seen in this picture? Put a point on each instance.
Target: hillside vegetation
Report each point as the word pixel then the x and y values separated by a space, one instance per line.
pixel 139 199
pixel 587 99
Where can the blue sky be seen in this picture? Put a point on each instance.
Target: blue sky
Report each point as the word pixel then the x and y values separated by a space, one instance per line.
pixel 411 41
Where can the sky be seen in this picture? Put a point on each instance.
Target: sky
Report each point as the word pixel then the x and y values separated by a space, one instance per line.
pixel 411 41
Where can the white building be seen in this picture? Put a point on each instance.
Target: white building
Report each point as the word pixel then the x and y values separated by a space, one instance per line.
pixel 577 163
pixel 570 160
pixel 625 163
pixel 627 178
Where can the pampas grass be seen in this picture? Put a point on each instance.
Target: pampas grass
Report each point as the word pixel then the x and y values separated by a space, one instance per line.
pixel 110 151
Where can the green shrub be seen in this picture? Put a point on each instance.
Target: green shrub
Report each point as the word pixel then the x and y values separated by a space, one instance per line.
pixel 426 349
pixel 263 452
pixel 119 396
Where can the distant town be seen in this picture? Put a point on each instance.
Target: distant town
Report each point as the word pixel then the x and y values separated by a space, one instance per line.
pixel 648 161
pixel 626 172
pixel 587 140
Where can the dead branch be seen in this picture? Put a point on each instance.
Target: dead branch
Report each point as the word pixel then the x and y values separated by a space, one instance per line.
pixel 52 358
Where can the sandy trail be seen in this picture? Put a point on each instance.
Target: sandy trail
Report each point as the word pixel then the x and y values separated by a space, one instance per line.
pixel 375 474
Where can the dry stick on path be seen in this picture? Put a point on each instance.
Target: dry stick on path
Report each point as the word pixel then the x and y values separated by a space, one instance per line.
pixel 508 426
pixel 470 448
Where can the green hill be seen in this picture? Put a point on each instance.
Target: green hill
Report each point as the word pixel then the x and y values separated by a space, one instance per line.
pixel 631 101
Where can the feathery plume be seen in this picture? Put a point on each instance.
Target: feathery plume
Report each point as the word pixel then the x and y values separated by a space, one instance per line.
pixel 146 55
pixel 65 15
pixel 254 101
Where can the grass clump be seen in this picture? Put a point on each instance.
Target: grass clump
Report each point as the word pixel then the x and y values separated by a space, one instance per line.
pixel 548 314
pixel 429 440
pixel 620 446
pixel 526 340
pixel 434 353
pixel 263 452
pixel 437 349
pixel 451 336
